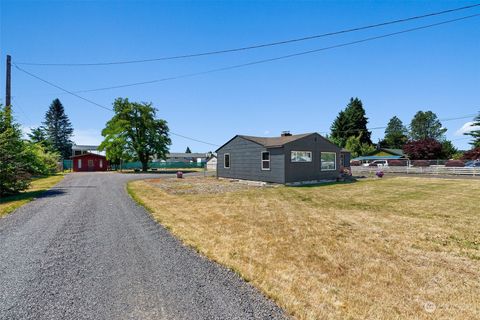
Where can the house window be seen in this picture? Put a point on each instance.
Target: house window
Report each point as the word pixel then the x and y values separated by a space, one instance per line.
pixel 101 163
pixel 342 160
pixel 328 161
pixel 301 156
pixel 265 160
pixel 90 163
pixel 226 160
pixel 79 163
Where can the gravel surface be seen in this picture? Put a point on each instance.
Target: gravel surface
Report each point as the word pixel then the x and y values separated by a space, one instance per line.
pixel 85 250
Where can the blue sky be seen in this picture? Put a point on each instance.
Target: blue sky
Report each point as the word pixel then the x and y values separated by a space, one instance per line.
pixel 436 69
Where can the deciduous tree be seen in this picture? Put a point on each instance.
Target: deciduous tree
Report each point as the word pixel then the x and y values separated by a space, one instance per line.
pixel 426 125
pixel 135 131
pixel 426 149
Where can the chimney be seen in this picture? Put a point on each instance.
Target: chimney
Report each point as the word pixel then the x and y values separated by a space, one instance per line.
pixel 286 134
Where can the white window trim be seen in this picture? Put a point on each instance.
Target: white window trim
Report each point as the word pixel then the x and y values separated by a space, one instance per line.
pixel 261 161
pixel 334 162
pixel 311 156
pixel 79 163
pixel 101 163
pixel 229 160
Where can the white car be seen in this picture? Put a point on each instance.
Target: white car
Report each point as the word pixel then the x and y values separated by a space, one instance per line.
pixel 377 163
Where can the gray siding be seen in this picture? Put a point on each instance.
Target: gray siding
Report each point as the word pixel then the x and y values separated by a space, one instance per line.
pixel 307 171
pixel 245 162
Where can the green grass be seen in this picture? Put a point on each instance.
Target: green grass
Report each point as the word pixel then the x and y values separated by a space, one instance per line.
pixel 37 187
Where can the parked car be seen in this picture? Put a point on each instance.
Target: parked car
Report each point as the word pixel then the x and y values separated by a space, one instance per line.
pixel 473 164
pixel 377 163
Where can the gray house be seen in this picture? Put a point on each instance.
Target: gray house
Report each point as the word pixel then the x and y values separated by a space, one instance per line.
pixel 284 159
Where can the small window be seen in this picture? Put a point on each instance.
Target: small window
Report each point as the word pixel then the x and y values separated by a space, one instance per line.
pixel 226 160
pixel 342 160
pixel 328 161
pixel 79 163
pixel 90 163
pixel 101 163
pixel 265 160
pixel 301 156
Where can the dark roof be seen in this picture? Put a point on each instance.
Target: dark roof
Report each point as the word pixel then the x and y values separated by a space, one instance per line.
pixel 271 142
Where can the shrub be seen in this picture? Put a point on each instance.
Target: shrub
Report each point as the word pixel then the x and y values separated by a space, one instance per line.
pixel 421 163
pixel 473 154
pixel 454 163
pixel 423 149
pixel 397 163
pixel 40 161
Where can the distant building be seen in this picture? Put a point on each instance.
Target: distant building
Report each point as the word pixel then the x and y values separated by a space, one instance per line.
pixel 383 154
pixel 186 157
pixel 212 163
pixel 78 149
pixel 284 159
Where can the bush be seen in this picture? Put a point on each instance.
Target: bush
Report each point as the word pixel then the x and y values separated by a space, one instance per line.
pixel 41 162
pixel 421 163
pixel 454 163
pixel 473 154
pixel 423 149
pixel 397 163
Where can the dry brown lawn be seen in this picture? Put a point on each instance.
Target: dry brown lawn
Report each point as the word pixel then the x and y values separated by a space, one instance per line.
pixel 391 248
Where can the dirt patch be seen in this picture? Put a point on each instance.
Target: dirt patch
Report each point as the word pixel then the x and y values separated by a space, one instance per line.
pixel 199 185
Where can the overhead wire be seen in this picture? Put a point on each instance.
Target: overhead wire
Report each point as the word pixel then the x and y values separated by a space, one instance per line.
pixel 257 46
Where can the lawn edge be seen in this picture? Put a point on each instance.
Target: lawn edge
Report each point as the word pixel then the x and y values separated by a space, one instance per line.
pixel 244 278
pixel 23 202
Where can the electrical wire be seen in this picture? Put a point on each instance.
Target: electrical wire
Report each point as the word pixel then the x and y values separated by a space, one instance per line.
pixel 192 55
pixel 189 75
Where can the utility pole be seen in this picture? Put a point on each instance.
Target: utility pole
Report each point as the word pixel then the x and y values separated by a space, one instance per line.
pixel 8 82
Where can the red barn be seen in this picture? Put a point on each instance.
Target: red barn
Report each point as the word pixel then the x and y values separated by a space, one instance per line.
pixel 89 162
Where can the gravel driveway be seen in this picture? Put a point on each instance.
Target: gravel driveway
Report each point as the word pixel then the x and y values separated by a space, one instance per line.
pixel 85 250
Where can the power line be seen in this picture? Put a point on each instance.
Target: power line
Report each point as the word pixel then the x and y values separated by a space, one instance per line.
pixel 196 140
pixel 192 55
pixel 189 75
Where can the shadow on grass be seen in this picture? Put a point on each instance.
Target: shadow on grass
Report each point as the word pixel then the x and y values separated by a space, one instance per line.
pixel 28 195
pixel 324 184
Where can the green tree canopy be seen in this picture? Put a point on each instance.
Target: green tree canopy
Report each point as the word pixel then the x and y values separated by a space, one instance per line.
pixel 14 175
pixel 426 125
pixel 39 136
pixel 357 148
pixel 475 134
pixel 134 131
pixel 351 121
pixel 58 129
pixel 395 134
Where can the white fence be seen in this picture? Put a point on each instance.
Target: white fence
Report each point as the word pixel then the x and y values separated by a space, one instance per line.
pixel 440 170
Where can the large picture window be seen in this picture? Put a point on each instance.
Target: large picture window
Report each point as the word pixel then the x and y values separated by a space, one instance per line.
pixel 226 160
pixel 301 156
pixel 328 161
pixel 265 160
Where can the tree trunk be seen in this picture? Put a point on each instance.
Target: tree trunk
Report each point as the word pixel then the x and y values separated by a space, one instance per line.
pixel 144 165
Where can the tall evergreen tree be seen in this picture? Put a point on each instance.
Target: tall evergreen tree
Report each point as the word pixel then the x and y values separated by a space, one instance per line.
pixel 351 122
pixel 426 125
pixel 39 136
pixel 395 134
pixel 14 175
pixel 475 134
pixel 59 129
pixel 188 150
